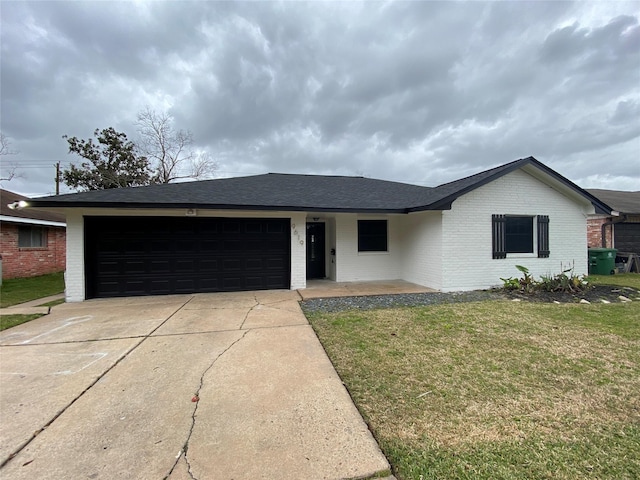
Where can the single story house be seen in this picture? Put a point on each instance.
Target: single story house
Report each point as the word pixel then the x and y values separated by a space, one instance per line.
pixel 621 228
pixel 32 242
pixel 277 231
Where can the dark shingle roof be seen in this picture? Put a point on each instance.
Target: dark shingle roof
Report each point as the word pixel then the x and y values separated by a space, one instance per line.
pixel 289 192
pixel 271 191
pixel 7 197
pixel 623 202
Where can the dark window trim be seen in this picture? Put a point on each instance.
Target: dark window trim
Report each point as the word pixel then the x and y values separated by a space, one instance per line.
pixel 499 240
pixel 543 236
pixel 519 234
pixel 373 241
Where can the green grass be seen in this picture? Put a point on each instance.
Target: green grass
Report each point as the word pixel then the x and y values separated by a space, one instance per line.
pixel 53 303
pixel 495 389
pixel 20 290
pixel 8 321
pixel 622 280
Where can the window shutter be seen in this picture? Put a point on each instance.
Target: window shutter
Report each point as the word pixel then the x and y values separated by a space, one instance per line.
pixel 499 239
pixel 543 236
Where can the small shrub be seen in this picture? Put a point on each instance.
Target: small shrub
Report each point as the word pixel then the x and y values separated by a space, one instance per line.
pixel 566 281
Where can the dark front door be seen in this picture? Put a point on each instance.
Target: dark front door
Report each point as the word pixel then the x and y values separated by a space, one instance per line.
pixel 315 250
pixel 127 256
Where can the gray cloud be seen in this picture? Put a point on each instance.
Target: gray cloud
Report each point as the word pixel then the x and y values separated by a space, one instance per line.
pixel 420 92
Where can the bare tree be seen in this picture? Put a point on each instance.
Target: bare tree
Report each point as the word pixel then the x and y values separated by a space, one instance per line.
pixel 168 150
pixel 11 167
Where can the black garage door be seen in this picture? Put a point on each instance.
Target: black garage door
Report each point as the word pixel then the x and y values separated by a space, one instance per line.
pixel 628 237
pixel 126 256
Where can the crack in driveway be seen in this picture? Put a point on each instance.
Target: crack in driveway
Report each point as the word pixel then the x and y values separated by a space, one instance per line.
pixel 185 447
pixel 24 444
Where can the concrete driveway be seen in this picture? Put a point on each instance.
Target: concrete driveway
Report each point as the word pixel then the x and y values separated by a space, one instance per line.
pixel 206 386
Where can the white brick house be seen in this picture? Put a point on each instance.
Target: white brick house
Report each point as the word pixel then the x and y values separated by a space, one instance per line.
pixel 278 231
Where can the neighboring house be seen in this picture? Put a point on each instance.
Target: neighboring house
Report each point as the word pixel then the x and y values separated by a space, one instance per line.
pixel 621 228
pixel 32 242
pixel 277 231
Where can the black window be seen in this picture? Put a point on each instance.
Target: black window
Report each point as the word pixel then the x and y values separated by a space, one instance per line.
pixel 515 234
pixel 519 234
pixel 32 237
pixel 372 235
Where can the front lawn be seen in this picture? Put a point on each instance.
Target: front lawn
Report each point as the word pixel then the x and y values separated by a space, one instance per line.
pixel 495 389
pixel 622 280
pixel 20 290
pixel 8 321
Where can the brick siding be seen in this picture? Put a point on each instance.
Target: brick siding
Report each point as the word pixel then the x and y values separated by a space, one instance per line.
pixel 594 232
pixel 30 262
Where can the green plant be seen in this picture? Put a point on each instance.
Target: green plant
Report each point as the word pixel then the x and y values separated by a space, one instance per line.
pixel 510 283
pixel 565 281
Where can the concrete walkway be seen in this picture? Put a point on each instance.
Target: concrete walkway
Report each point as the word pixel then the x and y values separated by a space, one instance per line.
pixel 32 307
pixel 206 386
pixel 328 288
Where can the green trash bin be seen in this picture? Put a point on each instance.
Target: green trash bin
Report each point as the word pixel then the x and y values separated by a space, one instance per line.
pixel 602 261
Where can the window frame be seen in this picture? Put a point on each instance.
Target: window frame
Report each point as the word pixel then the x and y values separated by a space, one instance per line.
pixel 539 236
pixel 515 240
pixel 373 240
pixel 26 237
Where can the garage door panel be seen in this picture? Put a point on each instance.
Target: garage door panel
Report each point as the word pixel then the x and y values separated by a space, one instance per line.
pixel 627 237
pixel 159 255
pixel 161 266
pixel 254 264
pixel 232 264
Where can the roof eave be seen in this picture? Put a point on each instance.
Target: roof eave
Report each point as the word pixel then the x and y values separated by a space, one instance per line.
pixel 446 202
pixel 200 206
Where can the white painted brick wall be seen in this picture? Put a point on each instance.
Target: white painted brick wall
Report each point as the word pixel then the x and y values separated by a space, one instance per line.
pixel 467 256
pixel 422 249
pixel 74 275
pixel 298 251
pixel 353 266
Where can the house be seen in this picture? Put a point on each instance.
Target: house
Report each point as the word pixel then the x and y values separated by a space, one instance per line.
pixel 32 242
pixel 278 231
pixel 621 228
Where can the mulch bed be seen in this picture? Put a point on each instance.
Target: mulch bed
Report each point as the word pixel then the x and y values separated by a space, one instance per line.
pixel 595 294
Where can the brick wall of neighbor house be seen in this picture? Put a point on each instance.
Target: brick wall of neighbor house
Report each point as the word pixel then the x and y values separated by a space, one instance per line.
pixel 30 262
pixel 594 231
pixel 353 266
pixel 467 232
pixel 422 249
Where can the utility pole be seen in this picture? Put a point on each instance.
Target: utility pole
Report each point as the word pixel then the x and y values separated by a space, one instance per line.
pixel 57 178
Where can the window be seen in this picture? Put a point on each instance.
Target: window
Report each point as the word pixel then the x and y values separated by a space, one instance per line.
pixel 515 234
pixel 372 235
pixel 519 235
pixel 32 237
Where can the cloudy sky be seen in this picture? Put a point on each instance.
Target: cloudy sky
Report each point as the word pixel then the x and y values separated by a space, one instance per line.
pixel 417 92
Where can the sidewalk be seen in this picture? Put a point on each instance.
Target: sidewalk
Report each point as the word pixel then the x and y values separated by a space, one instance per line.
pixel 31 307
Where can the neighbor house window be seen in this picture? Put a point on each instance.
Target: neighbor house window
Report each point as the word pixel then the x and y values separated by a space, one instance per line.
pixel 372 236
pixel 32 237
pixel 516 234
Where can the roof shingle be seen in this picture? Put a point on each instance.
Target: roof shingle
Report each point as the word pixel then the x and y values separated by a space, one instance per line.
pixel 291 192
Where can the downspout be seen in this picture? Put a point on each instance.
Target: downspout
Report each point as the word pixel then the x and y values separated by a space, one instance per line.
pixel 603 236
